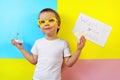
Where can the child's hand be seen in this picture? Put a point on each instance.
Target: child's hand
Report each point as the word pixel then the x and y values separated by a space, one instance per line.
pixel 81 43
pixel 18 45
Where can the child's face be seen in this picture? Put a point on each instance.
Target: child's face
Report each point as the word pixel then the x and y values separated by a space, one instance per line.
pixel 48 23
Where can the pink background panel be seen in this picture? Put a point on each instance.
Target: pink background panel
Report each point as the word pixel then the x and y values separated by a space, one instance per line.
pixel 93 70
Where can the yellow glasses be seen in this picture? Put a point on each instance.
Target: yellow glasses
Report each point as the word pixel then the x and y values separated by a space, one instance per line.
pixel 50 22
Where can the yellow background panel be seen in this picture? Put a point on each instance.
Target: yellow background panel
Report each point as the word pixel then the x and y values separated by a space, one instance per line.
pixel 106 11
pixel 16 69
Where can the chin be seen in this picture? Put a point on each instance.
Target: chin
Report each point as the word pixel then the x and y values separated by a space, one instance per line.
pixel 47 33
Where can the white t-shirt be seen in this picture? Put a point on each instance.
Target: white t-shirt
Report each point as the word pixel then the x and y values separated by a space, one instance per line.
pixel 50 57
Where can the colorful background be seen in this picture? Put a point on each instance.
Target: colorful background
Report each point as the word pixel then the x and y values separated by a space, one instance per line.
pixel 95 62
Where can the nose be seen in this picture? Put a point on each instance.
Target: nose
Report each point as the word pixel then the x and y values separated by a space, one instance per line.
pixel 47 24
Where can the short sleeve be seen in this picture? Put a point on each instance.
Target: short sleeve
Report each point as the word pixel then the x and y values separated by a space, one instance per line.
pixel 34 49
pixel 67 51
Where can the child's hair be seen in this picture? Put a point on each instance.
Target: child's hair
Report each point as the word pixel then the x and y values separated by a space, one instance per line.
pixel 56 15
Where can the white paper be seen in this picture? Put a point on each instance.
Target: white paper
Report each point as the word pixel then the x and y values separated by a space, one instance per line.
pixel 92 29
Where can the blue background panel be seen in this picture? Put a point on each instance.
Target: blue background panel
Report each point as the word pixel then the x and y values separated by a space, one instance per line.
pixel 20 16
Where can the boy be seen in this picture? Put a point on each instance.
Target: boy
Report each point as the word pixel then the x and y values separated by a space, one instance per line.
pixel 51 52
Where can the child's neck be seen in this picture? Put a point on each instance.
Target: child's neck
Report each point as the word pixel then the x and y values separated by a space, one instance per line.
pixel 51 37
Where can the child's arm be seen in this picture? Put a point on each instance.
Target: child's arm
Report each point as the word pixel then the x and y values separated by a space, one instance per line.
pixel 31 58
pixel 69 61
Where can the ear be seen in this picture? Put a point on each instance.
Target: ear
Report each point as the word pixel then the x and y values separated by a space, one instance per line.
pixel 58 24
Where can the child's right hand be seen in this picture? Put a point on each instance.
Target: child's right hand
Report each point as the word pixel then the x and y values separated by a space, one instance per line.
pixel 19 46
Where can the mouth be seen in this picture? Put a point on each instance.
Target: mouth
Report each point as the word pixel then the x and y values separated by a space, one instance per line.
pixel 47 28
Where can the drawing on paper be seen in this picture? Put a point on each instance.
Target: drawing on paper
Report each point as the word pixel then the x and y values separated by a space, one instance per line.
pixel 92 29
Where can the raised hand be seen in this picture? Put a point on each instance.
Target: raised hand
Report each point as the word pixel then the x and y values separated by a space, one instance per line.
pixel 18 45
pixel 81 43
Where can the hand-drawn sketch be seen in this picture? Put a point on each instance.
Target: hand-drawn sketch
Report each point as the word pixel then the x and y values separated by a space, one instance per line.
pixel 92 29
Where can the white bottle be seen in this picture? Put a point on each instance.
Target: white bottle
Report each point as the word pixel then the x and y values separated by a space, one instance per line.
pixel 18 39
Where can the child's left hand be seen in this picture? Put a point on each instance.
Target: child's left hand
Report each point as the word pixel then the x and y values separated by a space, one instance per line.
pixel 81 43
